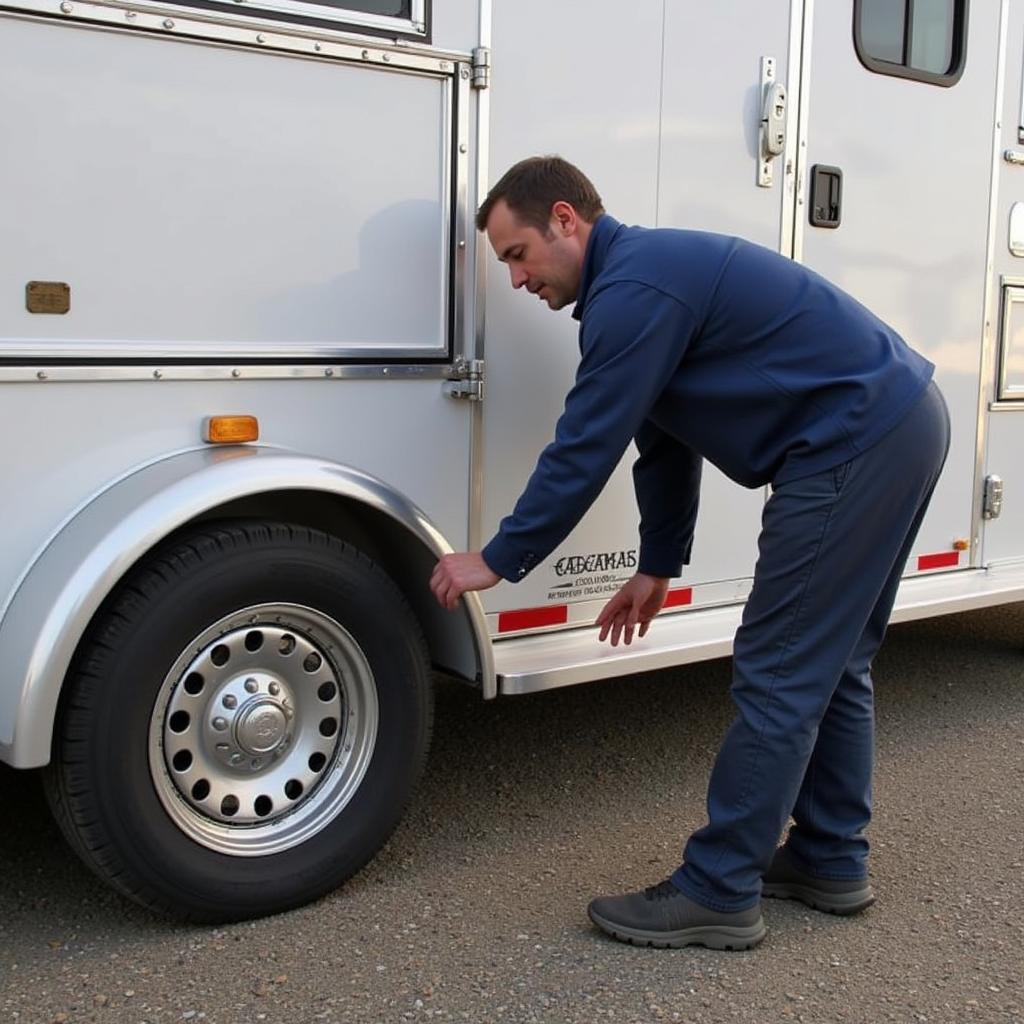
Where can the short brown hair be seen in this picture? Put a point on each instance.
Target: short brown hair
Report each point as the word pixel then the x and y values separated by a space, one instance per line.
pixel 531 187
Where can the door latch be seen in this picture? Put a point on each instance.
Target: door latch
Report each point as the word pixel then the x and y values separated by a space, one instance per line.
pixel 773 121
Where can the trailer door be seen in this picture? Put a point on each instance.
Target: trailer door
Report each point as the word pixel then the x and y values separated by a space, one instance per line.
pixel 1003 536
pixel 897 118
pixel 660 104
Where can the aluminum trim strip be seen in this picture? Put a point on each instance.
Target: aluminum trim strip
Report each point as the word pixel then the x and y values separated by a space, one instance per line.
pixel 308 41
pixel 803 98
pixel 33 351
pixel 482 99
pixel 460 209
pixel 158 374
pixel 452 272
pixel 988 332
pixel 794 64
pixel 344 16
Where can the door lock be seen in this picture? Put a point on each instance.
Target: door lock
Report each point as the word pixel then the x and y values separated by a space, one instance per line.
pixel 773 121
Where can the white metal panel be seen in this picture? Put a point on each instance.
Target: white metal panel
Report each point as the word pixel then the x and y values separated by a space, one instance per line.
pixel 707 172
pixel 1003 538
pixel 916 163
pixel 631 104
pixel 712 110
pixel 67 441
pixel 455 24
pixel 595 103
pixel 196 195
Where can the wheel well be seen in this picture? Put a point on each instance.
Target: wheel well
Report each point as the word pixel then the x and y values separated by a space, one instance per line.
pixel 405 559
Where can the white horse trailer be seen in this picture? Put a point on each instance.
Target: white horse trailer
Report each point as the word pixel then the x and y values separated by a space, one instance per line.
pixel 258 371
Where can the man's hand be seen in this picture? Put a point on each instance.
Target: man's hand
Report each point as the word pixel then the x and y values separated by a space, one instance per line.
pixel 455 574
pixel 637 602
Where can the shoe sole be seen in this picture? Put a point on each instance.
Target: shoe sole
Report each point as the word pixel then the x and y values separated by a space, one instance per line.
pixel 720 937
pixel 841 903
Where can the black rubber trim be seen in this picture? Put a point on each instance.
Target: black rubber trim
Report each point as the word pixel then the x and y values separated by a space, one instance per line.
pixel 884 67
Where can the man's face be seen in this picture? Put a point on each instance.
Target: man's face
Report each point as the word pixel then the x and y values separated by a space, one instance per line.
pixel 549 263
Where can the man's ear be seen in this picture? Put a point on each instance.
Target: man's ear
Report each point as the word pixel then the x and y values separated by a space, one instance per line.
pixel 564 218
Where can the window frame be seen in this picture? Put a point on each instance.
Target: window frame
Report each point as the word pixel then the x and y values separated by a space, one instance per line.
pixel 308 12
pixel 1013 295
pixel 961 13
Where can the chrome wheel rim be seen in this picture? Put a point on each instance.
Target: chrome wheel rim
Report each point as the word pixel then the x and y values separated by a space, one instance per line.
pixel 263 729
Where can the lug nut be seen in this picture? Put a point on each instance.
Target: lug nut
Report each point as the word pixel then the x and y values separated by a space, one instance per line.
pixel 251 685
pixel 230 701
pixel 220 724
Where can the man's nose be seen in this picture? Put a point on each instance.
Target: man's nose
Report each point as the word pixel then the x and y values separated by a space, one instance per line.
pixel 519 276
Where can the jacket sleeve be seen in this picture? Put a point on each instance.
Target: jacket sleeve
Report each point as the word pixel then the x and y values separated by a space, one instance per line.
pixel 666 478
pixel 632 340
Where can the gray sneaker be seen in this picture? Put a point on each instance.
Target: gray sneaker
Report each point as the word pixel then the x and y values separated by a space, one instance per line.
pixel 662 916
pixel 785 881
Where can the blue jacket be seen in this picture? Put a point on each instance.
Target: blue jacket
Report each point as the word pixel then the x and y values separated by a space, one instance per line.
pixel 697 346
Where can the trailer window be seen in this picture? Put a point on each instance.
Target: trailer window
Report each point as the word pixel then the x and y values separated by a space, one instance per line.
pixel 377 17
pixel 920 39
pixel 1011 368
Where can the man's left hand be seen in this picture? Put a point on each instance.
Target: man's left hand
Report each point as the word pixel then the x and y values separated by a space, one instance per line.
pixel 455 574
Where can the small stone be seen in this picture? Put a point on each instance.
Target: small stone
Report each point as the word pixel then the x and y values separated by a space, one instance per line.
pixel 100 1000
pixel 281 979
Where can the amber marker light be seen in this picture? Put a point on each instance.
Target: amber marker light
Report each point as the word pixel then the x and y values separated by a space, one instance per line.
pixel 961 545
pixel 230 429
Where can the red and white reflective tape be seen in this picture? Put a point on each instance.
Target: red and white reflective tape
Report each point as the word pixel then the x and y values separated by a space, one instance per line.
pixel 533 618
pixel 558 614
pixel 678 597
pixel 942 560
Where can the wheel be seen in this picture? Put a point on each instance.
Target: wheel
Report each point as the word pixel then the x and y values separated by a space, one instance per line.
pixel 244 724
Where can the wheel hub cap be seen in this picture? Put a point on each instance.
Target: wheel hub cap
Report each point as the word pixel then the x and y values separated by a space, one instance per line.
pixel 261 727
pixel 264 728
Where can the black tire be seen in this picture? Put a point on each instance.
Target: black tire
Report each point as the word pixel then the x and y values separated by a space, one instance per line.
pixel 116 790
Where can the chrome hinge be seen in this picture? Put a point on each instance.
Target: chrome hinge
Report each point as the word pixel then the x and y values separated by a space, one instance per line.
pixel 992 504
pixel 481 66
pixel 467 380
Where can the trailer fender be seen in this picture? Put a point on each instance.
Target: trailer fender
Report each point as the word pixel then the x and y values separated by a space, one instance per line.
pixel 76 570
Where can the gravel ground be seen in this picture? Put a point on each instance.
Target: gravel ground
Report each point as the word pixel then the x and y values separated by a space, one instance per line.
pixel 475 911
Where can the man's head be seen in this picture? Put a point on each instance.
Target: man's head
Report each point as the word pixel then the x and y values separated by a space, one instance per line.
pixel 538 219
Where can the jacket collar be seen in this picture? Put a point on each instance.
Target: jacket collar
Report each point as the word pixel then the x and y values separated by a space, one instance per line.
pixel 601 236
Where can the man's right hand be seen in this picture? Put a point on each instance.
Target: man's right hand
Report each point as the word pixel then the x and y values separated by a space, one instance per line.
pixel 639 599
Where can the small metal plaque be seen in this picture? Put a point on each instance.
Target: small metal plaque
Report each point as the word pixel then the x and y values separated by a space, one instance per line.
pixel 47 297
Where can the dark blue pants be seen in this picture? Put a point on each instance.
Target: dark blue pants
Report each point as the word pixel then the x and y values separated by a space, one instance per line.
pixel 830 555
